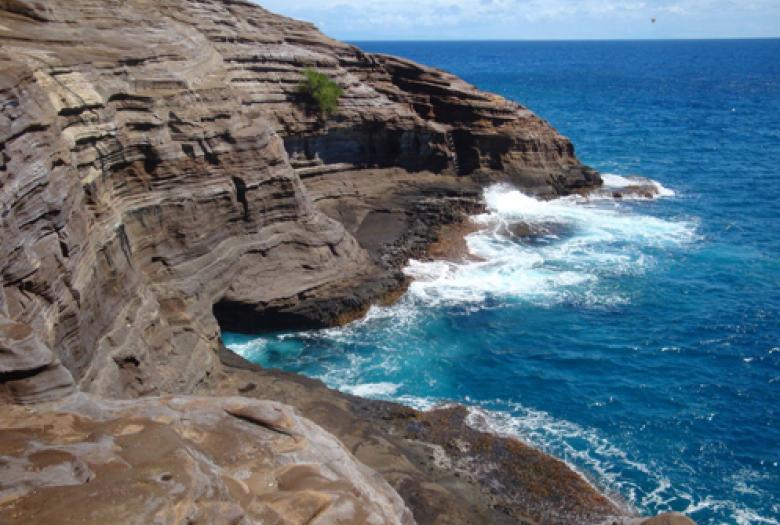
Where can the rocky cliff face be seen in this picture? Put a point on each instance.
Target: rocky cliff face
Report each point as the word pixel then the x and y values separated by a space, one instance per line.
pixel 161 176
pixel 157 161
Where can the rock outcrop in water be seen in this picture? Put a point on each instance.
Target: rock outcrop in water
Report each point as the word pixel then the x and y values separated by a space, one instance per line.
pixel 160 176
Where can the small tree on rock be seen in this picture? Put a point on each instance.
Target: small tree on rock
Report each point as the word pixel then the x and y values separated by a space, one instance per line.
pixel 321 91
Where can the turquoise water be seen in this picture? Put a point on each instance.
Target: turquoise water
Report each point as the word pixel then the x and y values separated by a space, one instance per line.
pixel 638 340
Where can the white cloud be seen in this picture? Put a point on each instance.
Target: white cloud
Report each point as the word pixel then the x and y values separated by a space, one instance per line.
pixel 477 18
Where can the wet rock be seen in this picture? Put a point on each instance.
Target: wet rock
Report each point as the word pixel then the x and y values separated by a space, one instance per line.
pixel 631 187
pixel 534 231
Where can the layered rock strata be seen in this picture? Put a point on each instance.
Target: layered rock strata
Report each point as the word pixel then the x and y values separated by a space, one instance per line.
pixel 156 158
pixel 161 176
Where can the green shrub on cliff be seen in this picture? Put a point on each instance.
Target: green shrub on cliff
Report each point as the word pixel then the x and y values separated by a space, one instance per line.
pixel 321 90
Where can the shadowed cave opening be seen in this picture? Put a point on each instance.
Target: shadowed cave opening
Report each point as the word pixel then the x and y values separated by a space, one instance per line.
pixel 234 316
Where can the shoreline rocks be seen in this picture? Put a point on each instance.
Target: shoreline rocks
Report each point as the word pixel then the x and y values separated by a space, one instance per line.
pixel 445 471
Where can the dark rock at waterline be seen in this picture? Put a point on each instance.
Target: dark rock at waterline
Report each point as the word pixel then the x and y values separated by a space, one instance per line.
pixel 445 470
pixel 636 187
pixel 534 231
pixel 644 192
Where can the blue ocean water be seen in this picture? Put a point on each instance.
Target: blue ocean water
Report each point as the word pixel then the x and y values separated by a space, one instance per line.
pixel 639 340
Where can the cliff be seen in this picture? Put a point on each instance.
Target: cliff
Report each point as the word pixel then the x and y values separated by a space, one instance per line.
pixel 161 177
pixel 159 167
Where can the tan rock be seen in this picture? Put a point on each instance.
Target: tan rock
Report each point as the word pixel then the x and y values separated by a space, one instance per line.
pixel 157 474
pixel 670 518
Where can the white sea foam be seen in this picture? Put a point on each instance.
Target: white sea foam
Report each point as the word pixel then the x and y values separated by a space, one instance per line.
pixel 380 390
pixel 617 182
pixel 251 350
pixel 750 517
pixel 739 513
pixel 663 191
pixel 547 252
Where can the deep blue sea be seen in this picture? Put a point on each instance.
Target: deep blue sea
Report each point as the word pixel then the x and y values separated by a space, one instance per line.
pixel 640 341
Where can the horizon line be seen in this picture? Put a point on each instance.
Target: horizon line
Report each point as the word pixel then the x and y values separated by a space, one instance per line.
pixel 671 39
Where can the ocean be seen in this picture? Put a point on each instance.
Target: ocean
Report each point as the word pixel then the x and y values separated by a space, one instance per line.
pixel 638 340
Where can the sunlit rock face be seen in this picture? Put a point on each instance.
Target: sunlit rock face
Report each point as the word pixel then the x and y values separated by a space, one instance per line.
pixel 183 459
pixel 152 163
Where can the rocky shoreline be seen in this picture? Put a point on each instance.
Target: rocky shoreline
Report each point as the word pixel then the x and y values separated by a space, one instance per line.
pixel 162 181
pixel 445 471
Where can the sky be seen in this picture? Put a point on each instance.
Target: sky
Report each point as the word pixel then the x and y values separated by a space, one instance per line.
pixel 356 20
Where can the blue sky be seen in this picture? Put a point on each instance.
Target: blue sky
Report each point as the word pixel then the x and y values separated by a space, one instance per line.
pixel 534 19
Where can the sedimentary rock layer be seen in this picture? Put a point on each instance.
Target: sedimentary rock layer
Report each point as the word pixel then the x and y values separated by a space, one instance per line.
pixel 157 160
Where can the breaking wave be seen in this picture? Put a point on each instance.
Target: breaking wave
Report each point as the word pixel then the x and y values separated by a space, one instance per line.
pixel 547 252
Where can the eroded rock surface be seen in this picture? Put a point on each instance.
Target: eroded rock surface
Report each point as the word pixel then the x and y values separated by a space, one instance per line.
pixel 182 460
